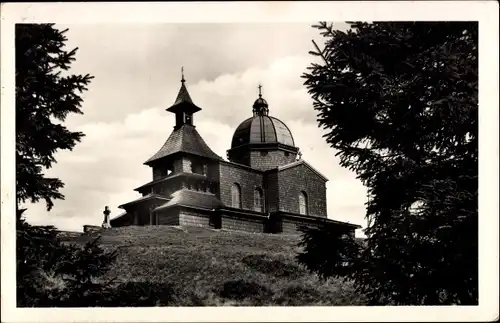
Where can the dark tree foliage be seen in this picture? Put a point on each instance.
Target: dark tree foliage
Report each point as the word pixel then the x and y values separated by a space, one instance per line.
pixel 49 273
pixel 45 95
pixel 328 251
pixel 399 104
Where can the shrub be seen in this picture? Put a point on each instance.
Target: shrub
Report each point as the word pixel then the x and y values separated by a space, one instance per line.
pixel 241 289
pixel 136 294
pixel 298 295
pixel 275 267
pixel 50 273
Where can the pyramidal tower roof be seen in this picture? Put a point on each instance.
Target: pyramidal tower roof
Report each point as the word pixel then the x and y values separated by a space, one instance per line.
pixel 183 95
pixel 185 138
pixel 183 102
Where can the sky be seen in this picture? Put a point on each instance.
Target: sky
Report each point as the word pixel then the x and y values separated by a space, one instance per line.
pixel 137 70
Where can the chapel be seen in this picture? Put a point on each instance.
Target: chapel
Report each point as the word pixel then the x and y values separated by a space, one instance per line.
pixel 263 186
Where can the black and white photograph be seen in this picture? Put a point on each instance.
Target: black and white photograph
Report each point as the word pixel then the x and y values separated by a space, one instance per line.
pixel 232 166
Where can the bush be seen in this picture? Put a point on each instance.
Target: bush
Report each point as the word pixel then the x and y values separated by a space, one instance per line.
pixel 275 267
pixel 50 273
pixel 136 294
pixel 297 295
pixel 241 289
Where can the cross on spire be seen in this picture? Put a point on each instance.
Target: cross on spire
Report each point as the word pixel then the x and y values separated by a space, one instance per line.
pixel 182 72
pixel 260 90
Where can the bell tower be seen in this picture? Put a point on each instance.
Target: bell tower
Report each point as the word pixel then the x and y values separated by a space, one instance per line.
pixel 183 107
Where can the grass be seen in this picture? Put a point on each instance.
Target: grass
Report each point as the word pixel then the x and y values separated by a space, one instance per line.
pixel 205 267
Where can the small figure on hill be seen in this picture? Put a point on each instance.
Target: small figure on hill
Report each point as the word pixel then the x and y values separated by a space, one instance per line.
pixel 106 223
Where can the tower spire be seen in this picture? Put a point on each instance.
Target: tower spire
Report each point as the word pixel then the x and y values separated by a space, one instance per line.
pixel 183 107
pixel 260 107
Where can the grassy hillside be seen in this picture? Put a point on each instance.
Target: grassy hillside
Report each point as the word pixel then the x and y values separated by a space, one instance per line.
pixel 205 267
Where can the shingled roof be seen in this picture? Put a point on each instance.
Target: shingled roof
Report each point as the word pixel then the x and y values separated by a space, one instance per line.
pixel 194 199
pixel 144 198
pixel 170 177
pixel 187 140
pixel 183 97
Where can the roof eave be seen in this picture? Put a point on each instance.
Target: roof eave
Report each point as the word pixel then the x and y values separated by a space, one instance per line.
pixel 317 219
pixel 144 199
pixel 184 106
pixel 250 213
pixel 303 162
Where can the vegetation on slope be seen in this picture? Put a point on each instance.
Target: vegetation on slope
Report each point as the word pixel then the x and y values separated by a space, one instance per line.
pixel 190 266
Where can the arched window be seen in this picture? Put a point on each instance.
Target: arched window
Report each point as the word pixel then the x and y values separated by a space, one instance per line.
pixel 236 196
pixel 258 200
pixel 303 203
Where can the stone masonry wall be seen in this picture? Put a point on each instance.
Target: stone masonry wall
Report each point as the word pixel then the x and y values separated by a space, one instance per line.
pixel 270 159
pixel 178 167
pixel 292 181
pixel 242 224
pixel 247 179
pixel 193 218
pixel 186 165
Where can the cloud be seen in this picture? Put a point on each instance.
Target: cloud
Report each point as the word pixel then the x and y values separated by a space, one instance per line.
pixel 134 65
pixel 230 97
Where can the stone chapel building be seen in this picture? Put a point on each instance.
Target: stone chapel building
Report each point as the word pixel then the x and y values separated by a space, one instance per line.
pixel 264 186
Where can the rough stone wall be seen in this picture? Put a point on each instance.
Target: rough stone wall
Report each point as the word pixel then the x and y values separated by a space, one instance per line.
pixel 242 224
pixel 247 179
pixel 270 159
pixel 292 181
pixel 178 165
pixel 193 218
pixel 186 164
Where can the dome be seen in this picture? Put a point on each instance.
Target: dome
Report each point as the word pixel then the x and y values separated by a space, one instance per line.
pixel 260 102
pixel 262 129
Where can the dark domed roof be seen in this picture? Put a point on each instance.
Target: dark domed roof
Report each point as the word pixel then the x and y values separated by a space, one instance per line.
pixel 260 101
pixel 262 129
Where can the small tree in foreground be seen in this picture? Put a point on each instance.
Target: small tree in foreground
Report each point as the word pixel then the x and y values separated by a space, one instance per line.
pixel 400 106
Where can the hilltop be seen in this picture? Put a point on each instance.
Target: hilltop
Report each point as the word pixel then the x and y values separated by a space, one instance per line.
pixel 206 267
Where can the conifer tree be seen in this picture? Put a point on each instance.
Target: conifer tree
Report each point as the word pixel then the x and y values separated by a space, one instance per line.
pixel 45 94
pixel 399 104
pixel 49 273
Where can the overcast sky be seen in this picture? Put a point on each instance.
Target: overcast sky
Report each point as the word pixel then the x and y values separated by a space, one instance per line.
pixel 137 76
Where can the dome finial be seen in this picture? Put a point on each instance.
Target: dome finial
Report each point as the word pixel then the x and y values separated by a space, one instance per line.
pixel 182 72
pixel 260 105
